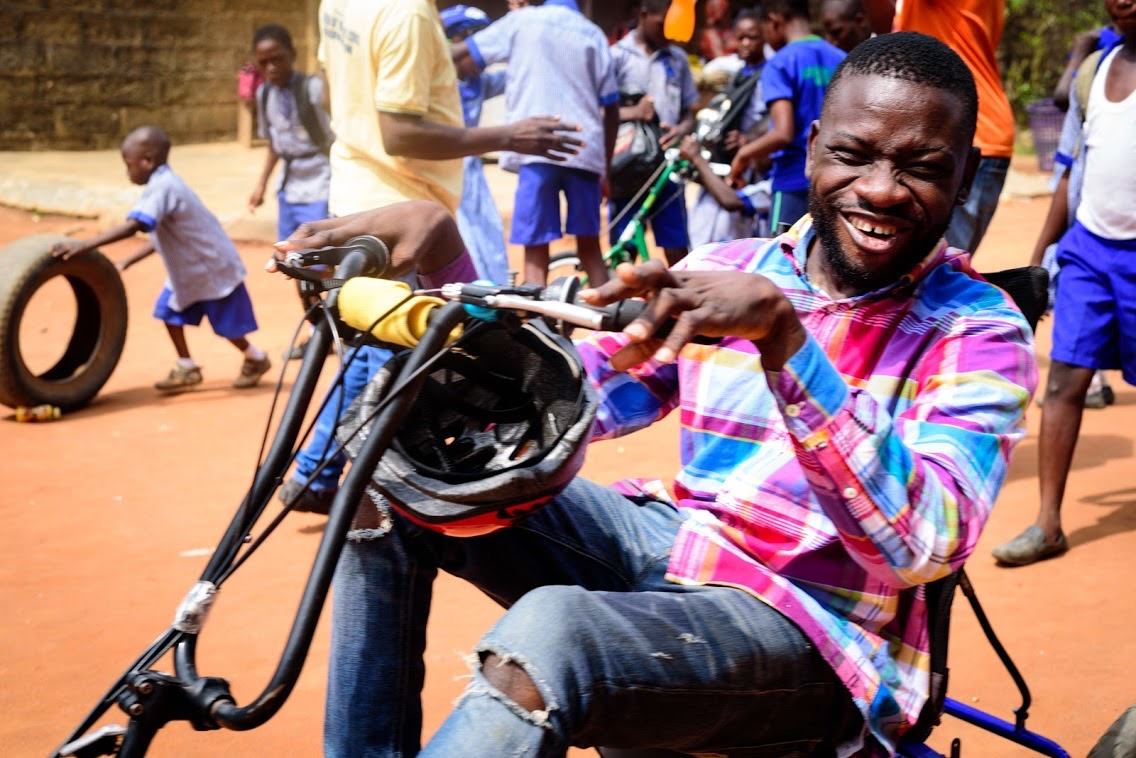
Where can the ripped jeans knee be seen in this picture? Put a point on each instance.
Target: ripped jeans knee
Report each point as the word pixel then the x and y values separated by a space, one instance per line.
pixel 513 681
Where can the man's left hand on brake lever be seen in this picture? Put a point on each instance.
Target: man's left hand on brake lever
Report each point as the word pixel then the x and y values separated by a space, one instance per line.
pixel 419 234
pixel 708 303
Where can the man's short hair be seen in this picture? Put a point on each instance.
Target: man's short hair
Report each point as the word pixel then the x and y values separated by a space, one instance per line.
pixel 913 57
pixel 786 9
pixel 274 32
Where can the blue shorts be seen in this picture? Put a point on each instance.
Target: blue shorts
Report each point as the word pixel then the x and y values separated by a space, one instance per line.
pixel 289 216
pixel 230 316
pixel 536 207
pixel 788 207
pixel 667 222
pixel 1094 319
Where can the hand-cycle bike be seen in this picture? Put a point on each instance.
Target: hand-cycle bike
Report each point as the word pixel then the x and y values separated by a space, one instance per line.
pixel 151 698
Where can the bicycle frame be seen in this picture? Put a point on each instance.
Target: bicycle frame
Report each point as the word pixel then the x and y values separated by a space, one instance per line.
pixel 152 699
pixel 632 242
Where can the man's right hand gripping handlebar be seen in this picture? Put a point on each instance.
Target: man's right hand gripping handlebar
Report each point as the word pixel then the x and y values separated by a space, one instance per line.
pixel 419 234
pixel 699 303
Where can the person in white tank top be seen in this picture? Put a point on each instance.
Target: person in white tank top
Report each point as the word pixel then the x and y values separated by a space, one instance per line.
pixel 1094 319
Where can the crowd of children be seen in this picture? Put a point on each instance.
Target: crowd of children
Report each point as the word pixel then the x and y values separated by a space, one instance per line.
pixel 549 59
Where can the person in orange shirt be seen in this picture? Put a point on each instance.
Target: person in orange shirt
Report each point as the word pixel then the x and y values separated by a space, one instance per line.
pixel 973 29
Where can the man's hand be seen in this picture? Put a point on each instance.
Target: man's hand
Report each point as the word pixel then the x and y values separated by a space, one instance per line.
pixel 708 303
pixel 419 234
pixel 738 167
pixel 545 136
pixel 734 140
pixel 256 199
pixel 69 249
pixel 690 149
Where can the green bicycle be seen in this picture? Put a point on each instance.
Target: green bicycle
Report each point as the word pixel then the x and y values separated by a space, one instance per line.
pixel 631 247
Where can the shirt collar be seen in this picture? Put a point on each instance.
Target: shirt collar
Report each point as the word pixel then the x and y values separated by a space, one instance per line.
pixel 569 4
pixel 630 42
pixel 795 245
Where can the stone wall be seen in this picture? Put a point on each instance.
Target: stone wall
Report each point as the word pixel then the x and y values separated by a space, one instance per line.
pixel 80 74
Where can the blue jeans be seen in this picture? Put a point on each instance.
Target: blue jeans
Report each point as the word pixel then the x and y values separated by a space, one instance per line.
pixel 368 360
pixel 620 656
pixel 971 219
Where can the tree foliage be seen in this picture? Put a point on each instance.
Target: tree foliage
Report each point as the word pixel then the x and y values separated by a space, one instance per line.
pixel 1036 41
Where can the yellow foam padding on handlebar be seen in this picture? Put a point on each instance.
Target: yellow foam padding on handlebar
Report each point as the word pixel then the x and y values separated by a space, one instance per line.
pixel 362 300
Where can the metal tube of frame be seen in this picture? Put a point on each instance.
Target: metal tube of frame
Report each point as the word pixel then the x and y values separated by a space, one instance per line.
pixel 225 712
pixel 995 725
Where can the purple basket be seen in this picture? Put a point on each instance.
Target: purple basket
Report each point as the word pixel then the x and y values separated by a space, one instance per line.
pixel 1045 121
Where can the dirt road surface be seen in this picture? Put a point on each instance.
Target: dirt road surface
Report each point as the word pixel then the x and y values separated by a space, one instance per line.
pixel 110 513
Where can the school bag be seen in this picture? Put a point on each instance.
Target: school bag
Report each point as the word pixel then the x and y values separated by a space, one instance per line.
pixel 636 155
pixel 319 136
pixel 728 107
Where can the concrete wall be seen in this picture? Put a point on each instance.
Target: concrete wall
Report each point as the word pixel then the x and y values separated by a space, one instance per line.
pixel 78 74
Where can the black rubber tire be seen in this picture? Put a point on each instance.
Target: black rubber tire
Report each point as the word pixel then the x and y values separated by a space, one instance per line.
pixel 100 324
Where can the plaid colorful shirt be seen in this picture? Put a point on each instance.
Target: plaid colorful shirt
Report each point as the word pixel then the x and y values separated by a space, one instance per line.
pixel 834 489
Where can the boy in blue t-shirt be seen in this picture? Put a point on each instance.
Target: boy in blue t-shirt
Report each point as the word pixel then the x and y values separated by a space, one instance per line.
pixel 793 84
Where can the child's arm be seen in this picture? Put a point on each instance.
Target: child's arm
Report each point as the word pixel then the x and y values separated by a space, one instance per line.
pixel 142 252
pixel 717 188
pixel 1055 221
pixel 71 248
pixel 256 199
pixel 779 136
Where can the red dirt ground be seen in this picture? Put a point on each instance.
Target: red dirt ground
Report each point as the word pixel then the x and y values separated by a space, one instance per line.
pixel 111 510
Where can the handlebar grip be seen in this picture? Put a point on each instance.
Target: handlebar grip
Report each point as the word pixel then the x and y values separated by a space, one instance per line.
pixel 618 316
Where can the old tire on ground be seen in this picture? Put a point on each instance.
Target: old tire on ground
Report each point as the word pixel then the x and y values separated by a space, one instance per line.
pixel 100 324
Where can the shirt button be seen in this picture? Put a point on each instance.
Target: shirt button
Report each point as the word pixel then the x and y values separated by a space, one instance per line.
pixel 792 410
pixel 850 493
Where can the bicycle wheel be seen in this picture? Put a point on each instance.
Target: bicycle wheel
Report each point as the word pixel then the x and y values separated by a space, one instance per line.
pixel 566 264
pixel 97 338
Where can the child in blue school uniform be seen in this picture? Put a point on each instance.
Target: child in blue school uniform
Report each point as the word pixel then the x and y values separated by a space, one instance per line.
pixel 206 275
pixel 558 63
pixel 291 116
pixel 478 219
pixel 793 85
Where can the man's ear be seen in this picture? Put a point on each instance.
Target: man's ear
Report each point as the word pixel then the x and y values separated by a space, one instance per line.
pixel 972 159
pixel 810 151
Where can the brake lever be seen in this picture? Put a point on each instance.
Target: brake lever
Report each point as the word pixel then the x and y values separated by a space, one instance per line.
pixel 105 741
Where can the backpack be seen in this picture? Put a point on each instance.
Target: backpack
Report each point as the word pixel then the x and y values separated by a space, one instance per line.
pixel 319 136
pixel 728 105
pixel 1084 81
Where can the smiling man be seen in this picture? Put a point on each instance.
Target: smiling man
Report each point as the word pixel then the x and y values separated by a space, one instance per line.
pixel 842 446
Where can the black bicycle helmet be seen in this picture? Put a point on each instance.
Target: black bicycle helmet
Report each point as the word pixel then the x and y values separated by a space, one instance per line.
pixel 498 429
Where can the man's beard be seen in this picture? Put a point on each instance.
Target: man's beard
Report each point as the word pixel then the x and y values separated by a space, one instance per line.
pixel 826 219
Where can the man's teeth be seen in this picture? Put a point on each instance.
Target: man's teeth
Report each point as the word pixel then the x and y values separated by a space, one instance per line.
pixel 871 228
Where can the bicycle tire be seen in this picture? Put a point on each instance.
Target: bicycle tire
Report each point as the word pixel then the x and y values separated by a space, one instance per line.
pixel 566 264
pixel 96 342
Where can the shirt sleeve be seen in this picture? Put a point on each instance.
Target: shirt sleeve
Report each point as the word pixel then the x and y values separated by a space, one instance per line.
pixel 910 493
pixel 155 203
pixel 460 269
pixel 402 84
pixel 494 43
pixel 776 84
pixel 493 83
pixel 627 400
pixel 604 73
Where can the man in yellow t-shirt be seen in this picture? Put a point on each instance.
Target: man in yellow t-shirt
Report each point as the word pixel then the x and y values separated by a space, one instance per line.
pixel 973 29
pixel 396 112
